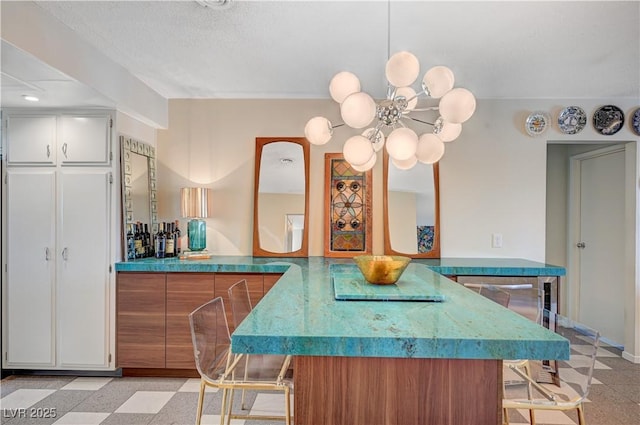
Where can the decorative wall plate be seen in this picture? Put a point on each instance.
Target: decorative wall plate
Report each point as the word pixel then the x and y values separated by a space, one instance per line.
pixel 537 123
pixel 572 119
pixel 608 120
pixel 635 121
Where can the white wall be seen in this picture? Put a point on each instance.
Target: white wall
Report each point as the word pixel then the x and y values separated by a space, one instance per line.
pixel 492 179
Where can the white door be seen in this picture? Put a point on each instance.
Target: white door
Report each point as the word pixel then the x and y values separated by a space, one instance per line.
pixel 601 287
pixel 83 277
pixel 31 259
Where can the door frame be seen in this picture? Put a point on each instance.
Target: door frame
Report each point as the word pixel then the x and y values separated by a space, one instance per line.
pixel 631 282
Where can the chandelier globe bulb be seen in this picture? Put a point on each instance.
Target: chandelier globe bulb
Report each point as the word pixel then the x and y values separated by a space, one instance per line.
pixel 406 164
pixel 357 150
pixel 430 148
pixel 437 81
pixel 366 166
pixel 342 85
pixel 447 131
pixel 402 143
pixel 318 130
pixel 402 69
pixel 410 95
pixel 457 105
pixel 358 110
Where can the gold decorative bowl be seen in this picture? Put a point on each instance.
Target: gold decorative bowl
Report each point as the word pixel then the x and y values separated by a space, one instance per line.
pixel 382 269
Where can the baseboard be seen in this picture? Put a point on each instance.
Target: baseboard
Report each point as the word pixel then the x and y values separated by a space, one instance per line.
pixel 56 372
pixel 628 356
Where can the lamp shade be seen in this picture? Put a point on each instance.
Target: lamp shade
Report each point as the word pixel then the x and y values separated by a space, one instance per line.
pixel 402 69
pixel 357 150
pixel 318 130
pixel 430 149
pixel 438 81
pixel 358 110
pixel 457 105
pixel 402 143
pixel 196 202
pixel 342 85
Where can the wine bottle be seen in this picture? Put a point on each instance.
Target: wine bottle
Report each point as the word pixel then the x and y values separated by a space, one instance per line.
pixel 160 242
pixel 138 241
pixel 131 245
pixel 170 248
pixel 178 243
pixel 148 248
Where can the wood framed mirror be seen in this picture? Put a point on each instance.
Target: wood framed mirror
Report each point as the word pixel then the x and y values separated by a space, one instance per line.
pixel 411 207
pixel 281 197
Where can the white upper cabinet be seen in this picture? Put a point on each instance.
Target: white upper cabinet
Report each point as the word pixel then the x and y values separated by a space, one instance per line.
pixel 58 139
pixel 31 139
pixel 84 139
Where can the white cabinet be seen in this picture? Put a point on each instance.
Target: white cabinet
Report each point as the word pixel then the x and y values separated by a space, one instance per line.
pixel 83 268
pixel 29 291
pixel 50 139
pixel 57 290
pixel 83 139
pixel 31 139
pixel 58 204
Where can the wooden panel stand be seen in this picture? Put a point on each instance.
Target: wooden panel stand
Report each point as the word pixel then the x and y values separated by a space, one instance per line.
pixel 391 391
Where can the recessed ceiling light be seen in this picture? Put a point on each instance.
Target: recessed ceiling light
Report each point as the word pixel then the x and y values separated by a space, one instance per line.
pixel 30 98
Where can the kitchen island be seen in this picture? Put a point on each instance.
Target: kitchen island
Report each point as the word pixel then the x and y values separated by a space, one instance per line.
pixel 383 362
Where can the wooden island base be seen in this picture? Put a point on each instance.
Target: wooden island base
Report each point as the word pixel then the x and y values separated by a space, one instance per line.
pixel 397 391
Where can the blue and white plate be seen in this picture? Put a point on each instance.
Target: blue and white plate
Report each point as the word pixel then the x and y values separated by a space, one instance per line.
pixel 572 120
pixel 635 121
pixel 608 120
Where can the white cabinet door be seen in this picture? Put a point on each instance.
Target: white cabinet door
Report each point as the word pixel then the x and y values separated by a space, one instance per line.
pixel 83 275
pixel 29 290
pixel 84 139
pixel 31 139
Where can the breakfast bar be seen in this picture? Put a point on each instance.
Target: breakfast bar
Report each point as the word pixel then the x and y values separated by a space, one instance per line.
pixel 436 361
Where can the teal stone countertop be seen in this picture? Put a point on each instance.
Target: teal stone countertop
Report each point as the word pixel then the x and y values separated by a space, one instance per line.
pixel 301 316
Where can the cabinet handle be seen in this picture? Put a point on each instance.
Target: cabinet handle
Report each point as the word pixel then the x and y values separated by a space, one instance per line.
pixel 65 254
pixel 48 151
pixel 64 149
pixel 47 254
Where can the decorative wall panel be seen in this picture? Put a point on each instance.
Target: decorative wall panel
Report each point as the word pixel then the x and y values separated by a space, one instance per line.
pixel 347 208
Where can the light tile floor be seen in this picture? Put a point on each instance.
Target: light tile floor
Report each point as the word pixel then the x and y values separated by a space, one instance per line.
pixel 614 400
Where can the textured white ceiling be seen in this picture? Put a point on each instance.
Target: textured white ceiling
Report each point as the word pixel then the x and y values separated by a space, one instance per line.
pixel 291 49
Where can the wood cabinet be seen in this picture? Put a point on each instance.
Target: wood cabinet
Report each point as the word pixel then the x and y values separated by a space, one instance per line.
pixel 185 293
pixel 153 315
pixel 141 309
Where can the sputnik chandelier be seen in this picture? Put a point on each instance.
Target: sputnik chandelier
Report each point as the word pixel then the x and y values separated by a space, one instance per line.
pixel 359 110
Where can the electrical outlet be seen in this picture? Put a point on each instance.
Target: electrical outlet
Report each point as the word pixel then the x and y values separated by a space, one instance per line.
pixel 496 240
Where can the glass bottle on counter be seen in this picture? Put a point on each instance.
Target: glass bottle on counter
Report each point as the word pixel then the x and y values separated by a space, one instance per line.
pixel 148 245
pixel 131 245
pixel 170 246
pixel 160 242
pixel 138 238
pixel 178 243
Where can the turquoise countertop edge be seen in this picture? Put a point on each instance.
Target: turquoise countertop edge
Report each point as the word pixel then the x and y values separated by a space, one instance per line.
pixel 300 315
pixel 248 264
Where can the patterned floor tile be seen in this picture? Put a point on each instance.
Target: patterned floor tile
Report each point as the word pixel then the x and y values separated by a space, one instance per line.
pixel 145 402
pixel 87 383
pixel 81 418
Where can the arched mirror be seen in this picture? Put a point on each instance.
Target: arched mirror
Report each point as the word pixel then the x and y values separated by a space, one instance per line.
pixel 281 197
pixel 139 204
pixel 411 205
